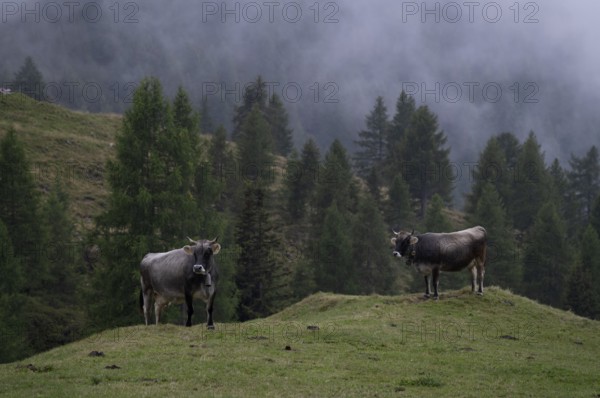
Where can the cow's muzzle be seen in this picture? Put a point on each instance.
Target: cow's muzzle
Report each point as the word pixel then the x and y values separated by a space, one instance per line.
pixel 397 254
pixel 199 269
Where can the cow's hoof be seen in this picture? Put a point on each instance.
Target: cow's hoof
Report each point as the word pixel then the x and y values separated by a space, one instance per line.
pixel 480 293
pixel 210 327
pixel 436 298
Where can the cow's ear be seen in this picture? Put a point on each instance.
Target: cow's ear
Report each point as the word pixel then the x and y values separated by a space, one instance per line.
pixel 188 249
pixel 216 248
pixel 413 240
pixel 393 240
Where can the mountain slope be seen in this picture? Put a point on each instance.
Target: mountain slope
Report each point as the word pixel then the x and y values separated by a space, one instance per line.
pixel 499 345
pixel 60 143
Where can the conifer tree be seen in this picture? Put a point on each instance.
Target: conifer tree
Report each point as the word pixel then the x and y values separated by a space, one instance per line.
pixel 224 169
pixel 492 168
pixel 151 207
pixel 12 302
pixel 29 80
pixel 184 116
pixel 335 182
pixel 405 108
pixel 12 323
pixel 301 179
pixel 206 123
pixel 277 118
pixel 372 141
pixel 61 248
pixel 532 186
pixel 511 148
pixel 436 220
pixel 335 269
pixel 584 294
pixel 425 159
pixel 19 209
pixel 375 270
pixel 595 219
pixel 255 94
pixel 584 179
pixel 255 149
pixel 547 258
pixel 502 267
pixel 399 208
pixel 260 280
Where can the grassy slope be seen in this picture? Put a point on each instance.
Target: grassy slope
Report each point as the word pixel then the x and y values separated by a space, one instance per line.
pixel 498 345
pixel 67 144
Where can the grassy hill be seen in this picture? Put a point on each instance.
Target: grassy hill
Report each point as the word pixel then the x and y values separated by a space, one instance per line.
pixel 73 146
pixel 499 345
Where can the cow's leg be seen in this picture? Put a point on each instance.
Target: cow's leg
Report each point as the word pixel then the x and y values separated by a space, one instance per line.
pixel 209 310
pixel 436 281
pixel 158 306
pixel 480 273
pixel 147 297
pixel 190 307
pixel 145 301
pixel 427 290
pixel 473 278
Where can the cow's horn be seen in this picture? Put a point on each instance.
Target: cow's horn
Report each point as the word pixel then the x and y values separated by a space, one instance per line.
pixel 395 233
pixel 192 240
pixel 215 239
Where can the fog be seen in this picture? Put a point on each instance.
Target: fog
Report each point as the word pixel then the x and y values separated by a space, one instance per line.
pixel 482 67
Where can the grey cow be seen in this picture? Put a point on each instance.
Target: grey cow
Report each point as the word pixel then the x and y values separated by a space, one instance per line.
pixel 180 275
pixel 431 253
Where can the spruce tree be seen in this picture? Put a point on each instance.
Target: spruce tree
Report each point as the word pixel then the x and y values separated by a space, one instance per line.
pixel 301 179
pixel 547 258
pixel 61 247
pixel 29 80
pixel 372 141
pixel 399 209
pixel 532 186
pixel 260 278
pixel 584 294
pixel 436 220
pixel 492 168
pixel 255 150
pixel 19 210
pixel 12 302
pixel 335 183
pixel 206 122
pixel 184 116
pixel 425 159
pixel 255 94
pixel 502 267
pixel 374 267
pixel 595 219
pixel 584 179
pixel 334 267
pixel 277 118
pixel 405 108
pixel 151 207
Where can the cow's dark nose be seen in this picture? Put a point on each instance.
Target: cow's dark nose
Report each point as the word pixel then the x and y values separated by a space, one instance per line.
pixel 199 269
pixel 397 254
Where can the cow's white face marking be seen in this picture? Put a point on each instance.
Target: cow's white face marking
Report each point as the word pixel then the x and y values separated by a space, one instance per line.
pixel 397 254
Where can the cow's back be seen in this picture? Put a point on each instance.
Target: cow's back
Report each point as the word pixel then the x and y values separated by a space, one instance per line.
pixel 454 250
pixel 166 272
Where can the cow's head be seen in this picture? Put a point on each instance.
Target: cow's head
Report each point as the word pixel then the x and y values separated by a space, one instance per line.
pixel 402 242
pixel 203 252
